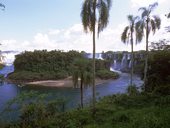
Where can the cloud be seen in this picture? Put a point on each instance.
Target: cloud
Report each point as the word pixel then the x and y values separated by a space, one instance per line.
pixel 74 38
pixel 162 33
pixel 141 3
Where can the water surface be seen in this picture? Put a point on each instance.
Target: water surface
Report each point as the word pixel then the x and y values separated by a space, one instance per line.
pixel 72 95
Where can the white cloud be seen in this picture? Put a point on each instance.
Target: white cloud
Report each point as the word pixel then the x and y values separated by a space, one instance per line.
pixel 162 33
pixel 54 32
pixel 141 3
pixel 74 38
pixel 71 38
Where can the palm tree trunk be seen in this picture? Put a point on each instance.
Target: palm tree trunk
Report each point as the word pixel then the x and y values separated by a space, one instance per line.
pixel 146 56
pixel 132 59
pixel 94 51
pixel 81 91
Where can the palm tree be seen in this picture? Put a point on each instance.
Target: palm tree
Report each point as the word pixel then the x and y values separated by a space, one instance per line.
pixel 149 23
pixel 81 70
pixel 95 13
pixel 127 35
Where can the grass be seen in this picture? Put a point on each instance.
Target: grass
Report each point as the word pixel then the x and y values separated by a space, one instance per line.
pixel 116 111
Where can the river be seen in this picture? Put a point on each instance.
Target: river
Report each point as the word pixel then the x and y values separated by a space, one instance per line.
pixel 9 91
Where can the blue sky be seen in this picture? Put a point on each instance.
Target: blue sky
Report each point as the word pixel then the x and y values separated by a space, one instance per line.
pixel 56 24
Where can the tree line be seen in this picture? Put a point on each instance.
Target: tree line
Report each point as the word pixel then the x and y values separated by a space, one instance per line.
pixel 56 64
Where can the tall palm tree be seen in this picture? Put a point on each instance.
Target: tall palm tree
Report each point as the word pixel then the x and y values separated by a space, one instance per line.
pixel 129 32
pixel 95 13
pixel 149 23
pixel 82 71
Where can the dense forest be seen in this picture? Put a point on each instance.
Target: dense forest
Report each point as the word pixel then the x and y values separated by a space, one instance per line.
pixel 44 65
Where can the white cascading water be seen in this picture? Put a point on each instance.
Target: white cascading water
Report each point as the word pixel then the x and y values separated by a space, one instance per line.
pixel 114 67
pixel 123 62
pixel 130 64
pixel 97 56
pixel 100 56
pixel 8 57
pixel 129 56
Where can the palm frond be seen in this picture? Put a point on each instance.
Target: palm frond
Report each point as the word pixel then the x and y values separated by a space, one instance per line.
pixel 168 15
pixel 75 78
pixel 124 36
pixel 152 6
pixel 157 21
pixel 130 18
pixel 103 7
pixel 87 15
pixel 109 4
pixel 87 78
pixel 153 25
pixel 139 27
pixel 144 11
pixel 145 14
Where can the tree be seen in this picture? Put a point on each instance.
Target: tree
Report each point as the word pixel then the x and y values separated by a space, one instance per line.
pixel 167 27
pixel 128 34
pixel 149 23
pixel 168 15
pixel 95 13
pixel 160 45
pixel 81 70
pixel 159 73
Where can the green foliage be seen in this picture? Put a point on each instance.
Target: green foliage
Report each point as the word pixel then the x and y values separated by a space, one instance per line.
pixel 132 90
pixel 160 45
pixel 40 65
pixel 22 76
pixel 116 111
pixel 110 56
pixel 1 77
pixel 43 65
pixel 39 61
pixel 102 64
pixel 162 90
pixel 34 108
pixel 106 74
pixel 82 70
pixel 158 71
pixel 1 66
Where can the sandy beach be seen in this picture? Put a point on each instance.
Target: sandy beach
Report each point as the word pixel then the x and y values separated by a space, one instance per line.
pixel 61 83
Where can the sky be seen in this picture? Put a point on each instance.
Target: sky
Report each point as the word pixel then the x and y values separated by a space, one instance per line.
pixel 56 24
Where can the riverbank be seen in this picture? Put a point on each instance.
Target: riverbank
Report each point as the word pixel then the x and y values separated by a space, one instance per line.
pixel 115 111
pixel 61 83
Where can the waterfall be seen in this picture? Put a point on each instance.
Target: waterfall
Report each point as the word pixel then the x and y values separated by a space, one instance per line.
pixel 129 56
pixel 115 64
pixel 8 57
pixel 97 56
pixel 130 64
pixel 124 61
pixel 100 56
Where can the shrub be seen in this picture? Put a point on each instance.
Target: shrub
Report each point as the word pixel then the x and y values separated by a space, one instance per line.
pixel 132 90
pixel 32 76
pixel 106 74
pixel 162 90
pixel 1 66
